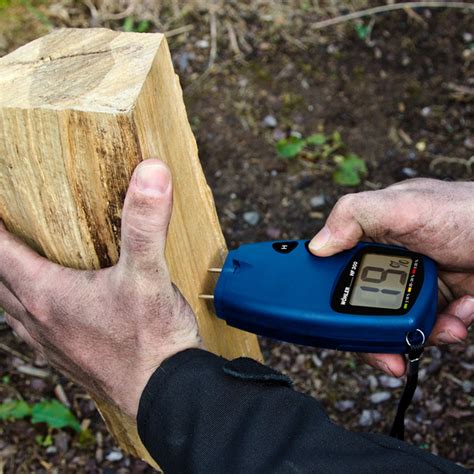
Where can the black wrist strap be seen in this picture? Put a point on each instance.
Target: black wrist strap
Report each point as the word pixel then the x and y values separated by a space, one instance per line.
pixel 414 355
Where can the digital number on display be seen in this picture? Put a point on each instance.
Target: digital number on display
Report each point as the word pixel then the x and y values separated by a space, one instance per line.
pixel 381 281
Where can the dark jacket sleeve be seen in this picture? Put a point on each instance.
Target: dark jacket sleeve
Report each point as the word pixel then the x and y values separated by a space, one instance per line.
pixel 200 413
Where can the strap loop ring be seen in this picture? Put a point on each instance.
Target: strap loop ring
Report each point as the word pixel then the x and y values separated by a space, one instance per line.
pixel 422 342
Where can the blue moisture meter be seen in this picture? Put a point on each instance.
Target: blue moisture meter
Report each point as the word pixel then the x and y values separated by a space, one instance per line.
pixel 372 298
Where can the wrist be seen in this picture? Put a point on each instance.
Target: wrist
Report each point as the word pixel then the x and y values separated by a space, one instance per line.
pixel 129 400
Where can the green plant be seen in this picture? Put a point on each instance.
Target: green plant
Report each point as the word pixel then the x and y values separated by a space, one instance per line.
pixel 290 147
pixel 36 12
pixel 54 414
pixel 44 441
pixel 351 364
pixel 363 31
pixel 14 410
pixel 130 25
pixel 348 168
pixel 86 439
pixel 51 412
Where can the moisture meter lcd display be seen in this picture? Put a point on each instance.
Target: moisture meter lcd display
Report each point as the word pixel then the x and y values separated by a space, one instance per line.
pixel 369 298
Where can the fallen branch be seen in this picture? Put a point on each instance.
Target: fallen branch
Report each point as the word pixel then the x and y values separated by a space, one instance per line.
pixel 388 8
pixel 8 350
pixel 468 163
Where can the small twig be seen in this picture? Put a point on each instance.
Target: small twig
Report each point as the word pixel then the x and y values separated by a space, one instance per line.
pixel 453 378
pixel 447 159
pixel 372 185
pixel 48 466
pixel 234 44
pixel 119 16
pixel 11 388
pixel 13 352
pixel 92 9
pixel 61 395
pixel 213 49
pixel 463 90
pixel 196 83
pixel 417 17
pixel 296 42
pixel 33 371
pixel 388 8
pixel 405 137
pixel 368 40
pixel 179 31
pixel 176 8
pixel 316 215
pixel 243 42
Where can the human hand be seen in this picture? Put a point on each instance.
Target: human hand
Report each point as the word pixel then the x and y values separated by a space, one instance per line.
pixel 109 329
pixel 435 218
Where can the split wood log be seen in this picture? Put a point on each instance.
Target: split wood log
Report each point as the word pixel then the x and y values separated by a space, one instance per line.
pixel 79 109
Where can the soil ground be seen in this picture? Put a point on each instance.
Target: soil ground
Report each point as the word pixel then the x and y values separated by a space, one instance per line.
pixel 401 98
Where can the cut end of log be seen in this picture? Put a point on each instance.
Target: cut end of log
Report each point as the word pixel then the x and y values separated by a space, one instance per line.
pixel 95 70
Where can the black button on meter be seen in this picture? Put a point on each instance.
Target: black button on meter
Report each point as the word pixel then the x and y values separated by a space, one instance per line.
pixel 284 247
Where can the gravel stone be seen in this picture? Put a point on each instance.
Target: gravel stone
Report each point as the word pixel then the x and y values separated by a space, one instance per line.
pixel 379 397
pixel 369 417
pixel 345 405
pixel 470 351
pixel 433 406
pixel 273 233
pixel 252 217
pixel 467 37
pixel 469 143
pixel 38 385
pixel 114 456
pixel 373 382
pixel 418 395
pixel 317 201
pixel 61 441
pixel 202 44
pixel 270 121
pixel 426 111
pixel 390 382
pixel 409 172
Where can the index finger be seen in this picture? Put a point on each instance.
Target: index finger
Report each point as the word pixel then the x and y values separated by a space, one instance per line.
pixel 21 268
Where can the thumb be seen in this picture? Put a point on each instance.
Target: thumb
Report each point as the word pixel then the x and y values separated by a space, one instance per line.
pixel 342 230
pixel 145 217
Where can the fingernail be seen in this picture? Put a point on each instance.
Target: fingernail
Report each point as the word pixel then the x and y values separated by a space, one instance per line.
pixel 320 239
pixel 447 337
pixel 153 179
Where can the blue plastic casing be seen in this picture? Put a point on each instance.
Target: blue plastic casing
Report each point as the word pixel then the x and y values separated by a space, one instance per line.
pixel 288 296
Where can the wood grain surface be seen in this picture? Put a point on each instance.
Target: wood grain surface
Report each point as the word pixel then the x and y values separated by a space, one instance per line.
pixel 79 109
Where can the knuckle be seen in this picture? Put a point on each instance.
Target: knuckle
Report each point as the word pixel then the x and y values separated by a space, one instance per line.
pixel 142 295
pixel 36 304
pixel 142 228
pixel 347 202
pixel 415 184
